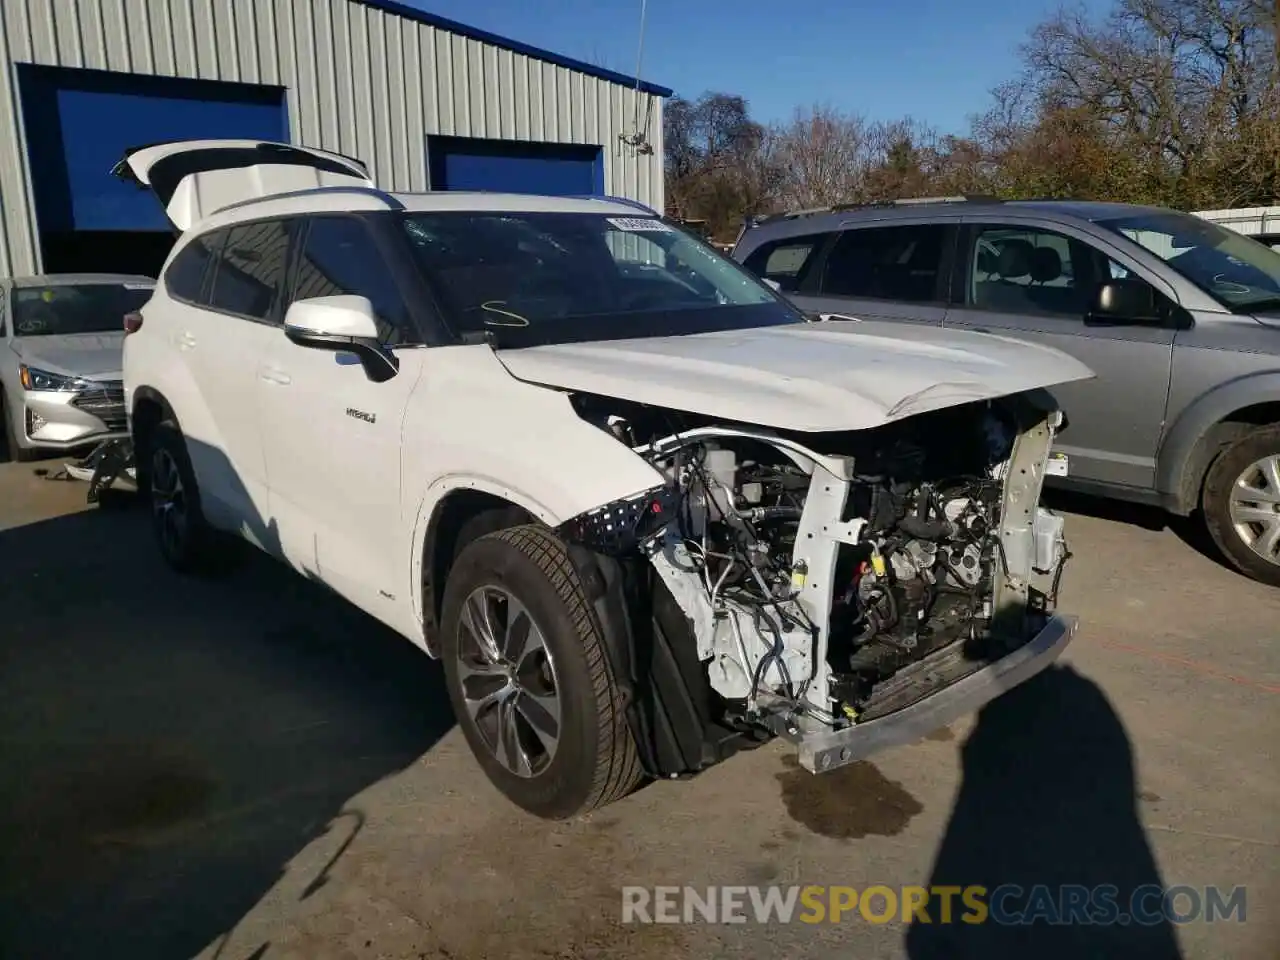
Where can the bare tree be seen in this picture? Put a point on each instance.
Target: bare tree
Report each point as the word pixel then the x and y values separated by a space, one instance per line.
pixel 825 155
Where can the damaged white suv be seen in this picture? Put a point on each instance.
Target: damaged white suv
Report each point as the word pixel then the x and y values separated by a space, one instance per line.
pixel 645 513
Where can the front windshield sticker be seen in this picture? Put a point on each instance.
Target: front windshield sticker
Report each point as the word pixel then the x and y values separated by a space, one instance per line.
pixel 139 286
pixel 639 224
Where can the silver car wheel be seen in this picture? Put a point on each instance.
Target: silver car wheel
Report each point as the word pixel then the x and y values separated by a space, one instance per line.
pixel 168 501
pixel 508 681
pixel 1255 507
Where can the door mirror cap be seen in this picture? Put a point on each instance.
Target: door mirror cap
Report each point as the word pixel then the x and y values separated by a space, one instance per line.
pixel 1125 300
pixel 344 324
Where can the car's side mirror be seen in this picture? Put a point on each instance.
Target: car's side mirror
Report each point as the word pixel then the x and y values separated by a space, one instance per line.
pixel 1125 300
pixel 344 324
pixel 773 284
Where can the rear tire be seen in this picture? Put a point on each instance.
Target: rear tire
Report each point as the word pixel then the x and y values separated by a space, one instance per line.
pixel 1241 504
pixel 533 692
pixel 187 542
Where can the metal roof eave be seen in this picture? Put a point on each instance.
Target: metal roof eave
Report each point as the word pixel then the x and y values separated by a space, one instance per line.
pixel 515 46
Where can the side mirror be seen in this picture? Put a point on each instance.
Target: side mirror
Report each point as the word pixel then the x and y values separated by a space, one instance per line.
pixel 773 284
pixel 342 324
pixel 1125 300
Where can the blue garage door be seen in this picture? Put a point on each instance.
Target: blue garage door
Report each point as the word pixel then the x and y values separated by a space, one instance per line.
pixel 512 166
pixel 78 125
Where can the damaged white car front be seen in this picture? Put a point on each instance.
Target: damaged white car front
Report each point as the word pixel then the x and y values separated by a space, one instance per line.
pixel 849 590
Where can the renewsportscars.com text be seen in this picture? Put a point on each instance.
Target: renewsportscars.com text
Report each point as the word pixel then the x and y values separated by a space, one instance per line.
pixel 1009 904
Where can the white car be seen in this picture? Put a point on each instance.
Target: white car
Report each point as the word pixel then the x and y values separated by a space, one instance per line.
pixel 645 513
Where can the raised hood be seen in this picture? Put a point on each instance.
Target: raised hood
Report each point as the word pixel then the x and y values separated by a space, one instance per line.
pixel 193 178
pixel 839 375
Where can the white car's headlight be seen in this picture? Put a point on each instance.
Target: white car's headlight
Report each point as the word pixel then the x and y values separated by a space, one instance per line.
pixel 34 379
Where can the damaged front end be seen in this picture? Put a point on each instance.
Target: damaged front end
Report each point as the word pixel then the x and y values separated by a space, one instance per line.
pixel 847 591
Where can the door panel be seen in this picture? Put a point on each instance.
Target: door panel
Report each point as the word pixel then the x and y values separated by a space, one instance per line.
pixel 222 354
pixel 1035 283
pixel 333 442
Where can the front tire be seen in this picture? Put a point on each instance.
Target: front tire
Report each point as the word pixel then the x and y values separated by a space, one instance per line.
pixel 529 679
pixel 1242 504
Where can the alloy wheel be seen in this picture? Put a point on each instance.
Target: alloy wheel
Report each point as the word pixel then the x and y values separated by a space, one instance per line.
pixel 169 505
pixel 508 681
pixel 1255 507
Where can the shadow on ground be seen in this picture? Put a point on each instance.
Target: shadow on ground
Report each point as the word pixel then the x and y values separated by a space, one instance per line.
pixel 1047 798
pixel 168 745
pixel 1190 530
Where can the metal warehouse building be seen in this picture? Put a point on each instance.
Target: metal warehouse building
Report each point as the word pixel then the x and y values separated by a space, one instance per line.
pixel 426 103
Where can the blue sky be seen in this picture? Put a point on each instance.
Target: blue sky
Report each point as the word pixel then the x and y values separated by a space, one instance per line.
pixel 934 60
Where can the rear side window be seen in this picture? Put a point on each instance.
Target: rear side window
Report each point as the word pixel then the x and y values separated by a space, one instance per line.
pixel 251 269
pixel 185 277
pixel 787 261
pixel 901 264
pixel 340 257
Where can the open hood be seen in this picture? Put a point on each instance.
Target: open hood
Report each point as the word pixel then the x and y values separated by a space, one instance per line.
pixel 193 178
pixel 840 375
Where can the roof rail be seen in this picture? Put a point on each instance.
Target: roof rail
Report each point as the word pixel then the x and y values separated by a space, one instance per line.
pixel 623 200
pixel 871 204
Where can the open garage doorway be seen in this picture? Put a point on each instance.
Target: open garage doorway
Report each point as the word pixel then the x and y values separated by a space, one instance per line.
pixel 78 123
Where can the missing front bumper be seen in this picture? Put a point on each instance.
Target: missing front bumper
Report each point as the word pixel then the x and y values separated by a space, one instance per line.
pixel 821 749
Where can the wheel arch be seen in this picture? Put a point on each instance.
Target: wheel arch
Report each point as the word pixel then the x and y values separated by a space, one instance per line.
pixel 470 508
pixel 1205 429
pixel 149 409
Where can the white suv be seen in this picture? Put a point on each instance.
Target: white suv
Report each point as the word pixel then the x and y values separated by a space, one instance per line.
pixel 645 513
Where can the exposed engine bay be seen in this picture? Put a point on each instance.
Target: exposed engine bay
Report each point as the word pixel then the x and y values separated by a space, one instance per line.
pixel 831 579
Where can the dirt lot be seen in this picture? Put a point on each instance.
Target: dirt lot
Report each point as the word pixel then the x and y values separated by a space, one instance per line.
pixel 248 769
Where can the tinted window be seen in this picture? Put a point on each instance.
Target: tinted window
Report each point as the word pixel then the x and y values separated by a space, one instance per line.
pixel 887 263
pixel 251 269
pixel 185 277
pixel 340 258
pixel 79 308
pixel 1020 270
pixel 785 261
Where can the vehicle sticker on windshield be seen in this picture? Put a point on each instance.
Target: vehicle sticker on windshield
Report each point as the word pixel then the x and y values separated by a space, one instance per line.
pixel 639 224
pixel 139 286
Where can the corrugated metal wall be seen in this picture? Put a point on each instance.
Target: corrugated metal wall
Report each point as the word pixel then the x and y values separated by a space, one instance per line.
pixel 360 81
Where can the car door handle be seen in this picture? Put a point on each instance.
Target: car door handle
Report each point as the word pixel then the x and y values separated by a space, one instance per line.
pixel 275 375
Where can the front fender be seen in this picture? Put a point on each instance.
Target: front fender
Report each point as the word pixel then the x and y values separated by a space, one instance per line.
pixel 1189 445
pixel 478 428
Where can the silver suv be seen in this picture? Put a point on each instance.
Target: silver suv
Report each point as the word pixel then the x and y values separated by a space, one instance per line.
pixel 1178 317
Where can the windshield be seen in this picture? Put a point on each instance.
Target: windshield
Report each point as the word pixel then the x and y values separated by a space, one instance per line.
pixel 82 308
pixel 1236 270
pixel 529 278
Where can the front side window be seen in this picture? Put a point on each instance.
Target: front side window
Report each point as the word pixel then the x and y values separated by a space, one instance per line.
pixel 251 269
pixel 785 261
pixel 898 263
pixel 1029 271
pixel 76 308
pixel 340 258
pixel 534 277
pixel 1240 273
